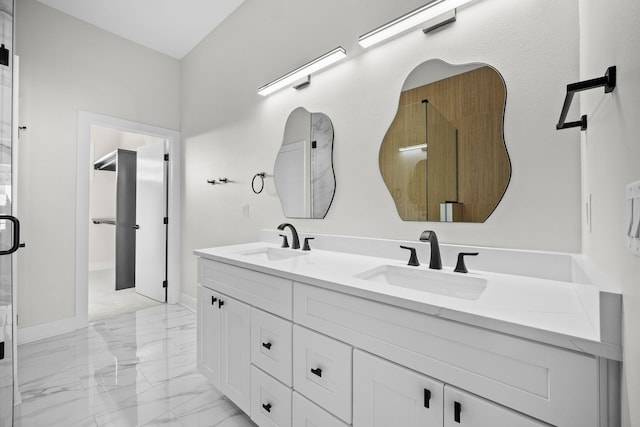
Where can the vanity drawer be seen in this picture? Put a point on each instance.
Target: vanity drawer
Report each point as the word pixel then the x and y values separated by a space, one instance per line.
pixel 271 345
pixel 308 414
pixel 270 400
pixel 322 371
pixel 555 385
pixel 267 292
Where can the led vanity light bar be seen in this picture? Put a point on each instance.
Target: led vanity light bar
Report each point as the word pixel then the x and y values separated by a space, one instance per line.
pixel 408 21
pixel 316 65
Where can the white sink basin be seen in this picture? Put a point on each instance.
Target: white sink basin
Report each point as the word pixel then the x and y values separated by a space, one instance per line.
pixel 457 285
pixel 272 254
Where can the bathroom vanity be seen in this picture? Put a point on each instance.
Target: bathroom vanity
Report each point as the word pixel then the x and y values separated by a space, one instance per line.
pixel 348 334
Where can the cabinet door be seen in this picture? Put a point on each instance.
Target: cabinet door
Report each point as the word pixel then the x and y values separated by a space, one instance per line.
pixel 208 335
pixel 235 352
pixel 386 394
pixel 462 409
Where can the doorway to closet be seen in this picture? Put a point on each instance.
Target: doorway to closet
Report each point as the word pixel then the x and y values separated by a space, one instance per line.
pixel 127 219
pixel 127 234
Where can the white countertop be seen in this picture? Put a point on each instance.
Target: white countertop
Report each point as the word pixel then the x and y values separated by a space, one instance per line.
pixel 550 311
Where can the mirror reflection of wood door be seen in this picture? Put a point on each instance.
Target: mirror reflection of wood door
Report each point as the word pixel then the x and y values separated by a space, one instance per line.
pixel 442 162
pixel 419 161
pixel 471 97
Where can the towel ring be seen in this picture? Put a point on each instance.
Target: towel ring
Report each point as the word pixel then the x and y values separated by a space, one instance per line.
pixel 261 175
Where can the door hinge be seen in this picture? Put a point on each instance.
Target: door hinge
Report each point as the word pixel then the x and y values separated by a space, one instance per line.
pixel 164 283
pixel 166 157
pixel 2 350
pixel 314 144
pixel 166 220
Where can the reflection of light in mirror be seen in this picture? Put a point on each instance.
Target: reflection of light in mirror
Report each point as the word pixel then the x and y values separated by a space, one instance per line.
pixel 412 147
pixel 316 65
pixel 408 21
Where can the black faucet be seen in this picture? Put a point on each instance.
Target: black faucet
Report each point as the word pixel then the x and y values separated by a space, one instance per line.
pixel 295 241
pixel 435 262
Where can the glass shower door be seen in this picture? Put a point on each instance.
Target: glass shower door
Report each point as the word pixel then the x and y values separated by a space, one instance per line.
pixel 9 226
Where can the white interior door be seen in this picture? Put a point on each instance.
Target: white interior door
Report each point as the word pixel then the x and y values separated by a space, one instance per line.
pixel 151 206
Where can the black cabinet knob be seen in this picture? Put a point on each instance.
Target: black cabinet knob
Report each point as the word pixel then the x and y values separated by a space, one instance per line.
pixel 267 345
pixel 213 300
pixel 427 397
pixel 220 303
pixel 316 371
pixel 267 407
pixel 457 409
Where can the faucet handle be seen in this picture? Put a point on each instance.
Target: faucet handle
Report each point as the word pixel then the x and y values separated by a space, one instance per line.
pixel 413 258
pixel 305 246
pixel 460 266
pixel 285 242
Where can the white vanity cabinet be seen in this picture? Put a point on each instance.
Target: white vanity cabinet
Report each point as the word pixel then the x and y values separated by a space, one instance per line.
pixel 290 353
pixel 386 394
pixel 224 327
pixel 463 409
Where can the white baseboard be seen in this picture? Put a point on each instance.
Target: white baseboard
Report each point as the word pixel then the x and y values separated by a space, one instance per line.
pixel 188 302
pixel 47 330
pixel 95 266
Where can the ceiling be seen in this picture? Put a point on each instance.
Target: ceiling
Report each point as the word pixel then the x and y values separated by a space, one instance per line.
pixel 172 27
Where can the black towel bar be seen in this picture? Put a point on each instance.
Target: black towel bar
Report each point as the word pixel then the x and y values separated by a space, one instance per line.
pixel 609 83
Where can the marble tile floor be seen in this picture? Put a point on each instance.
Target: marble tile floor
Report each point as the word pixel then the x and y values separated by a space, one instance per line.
pixel 136 369
pixel 105 301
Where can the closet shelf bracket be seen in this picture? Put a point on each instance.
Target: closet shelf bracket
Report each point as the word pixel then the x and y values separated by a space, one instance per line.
pixel 609 84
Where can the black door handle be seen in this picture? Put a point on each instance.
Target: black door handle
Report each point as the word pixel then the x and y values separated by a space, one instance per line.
pixel 316 371
pixel 220 303
pixel 267 345
pixel 457 409
pixel 213 300
pixel 137 227
pixel 267 407
pixel 15 243
pixel 427 397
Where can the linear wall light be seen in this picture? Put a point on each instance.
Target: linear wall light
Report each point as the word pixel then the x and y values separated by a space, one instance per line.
pixel 317 64
pixel 408 21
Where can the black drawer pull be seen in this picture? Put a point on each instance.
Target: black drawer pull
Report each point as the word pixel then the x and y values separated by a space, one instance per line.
pixel 316 371
pixel 427 397
pixel 220 303
pixel 457 408
pixel 213 300
pixel 267 345
pixel 267 407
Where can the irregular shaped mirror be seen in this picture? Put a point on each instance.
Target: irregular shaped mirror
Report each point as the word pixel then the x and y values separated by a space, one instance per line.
pixel 303 173
pixel 444 156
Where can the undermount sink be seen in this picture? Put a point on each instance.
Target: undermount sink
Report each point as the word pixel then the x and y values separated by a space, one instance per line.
pixel 455 285
pixel 272 254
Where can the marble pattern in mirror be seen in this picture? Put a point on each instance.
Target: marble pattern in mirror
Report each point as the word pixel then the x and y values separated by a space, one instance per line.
pixel 444 157
pixel 303 172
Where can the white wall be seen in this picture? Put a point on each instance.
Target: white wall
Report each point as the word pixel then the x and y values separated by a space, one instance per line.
pixel 229 130
pixel 66 66
pixel 611 159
